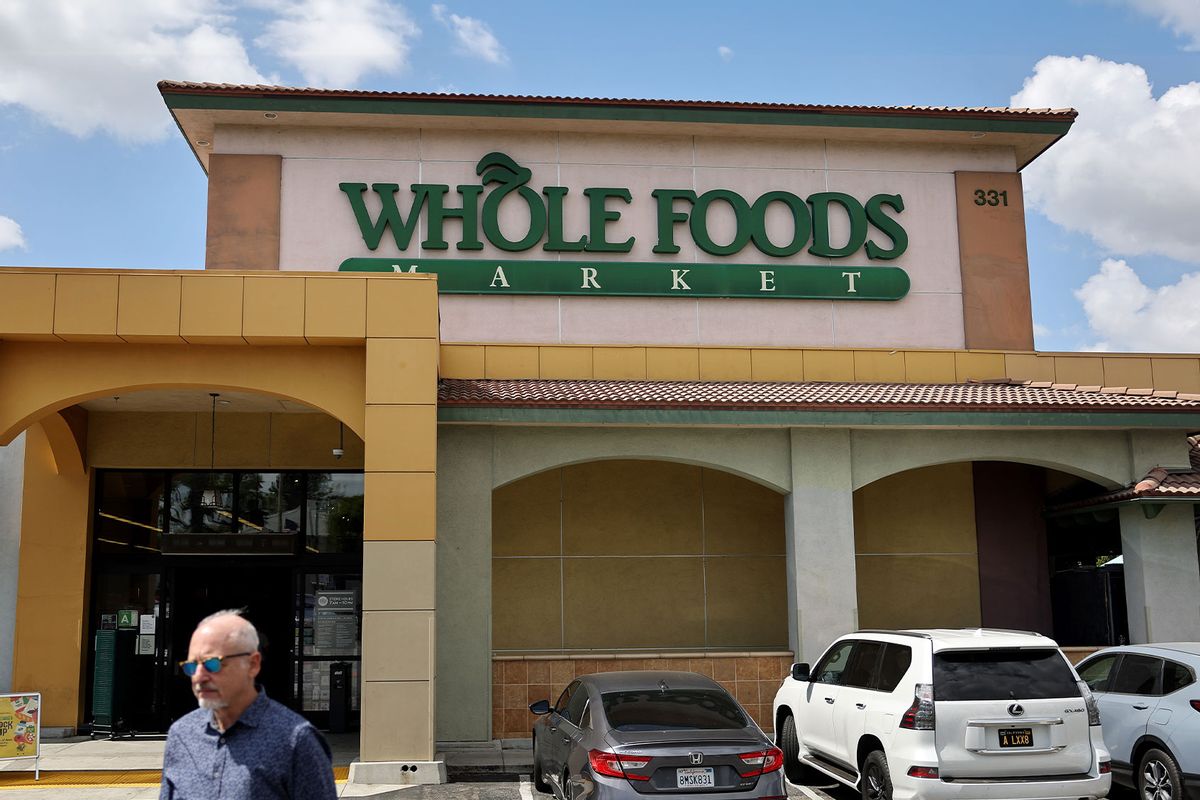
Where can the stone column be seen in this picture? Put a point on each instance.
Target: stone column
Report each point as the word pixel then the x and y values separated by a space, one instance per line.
pixel 399 547
pixel 12 473
pixel 819 515
pixel 1162 578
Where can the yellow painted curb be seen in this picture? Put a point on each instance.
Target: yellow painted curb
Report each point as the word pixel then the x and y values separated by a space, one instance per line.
pixel 144 778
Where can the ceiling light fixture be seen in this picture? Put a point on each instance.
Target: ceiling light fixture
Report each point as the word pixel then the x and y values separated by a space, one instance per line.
pixel 203 142
pixel 340 450
pixel 212 439
pixel 270 115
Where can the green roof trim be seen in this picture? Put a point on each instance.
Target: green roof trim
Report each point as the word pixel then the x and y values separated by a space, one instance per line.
pixel 598 112
pixel 774 418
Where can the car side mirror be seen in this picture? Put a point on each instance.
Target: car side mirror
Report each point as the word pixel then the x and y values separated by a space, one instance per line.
pixel 540 707
pixel 800 672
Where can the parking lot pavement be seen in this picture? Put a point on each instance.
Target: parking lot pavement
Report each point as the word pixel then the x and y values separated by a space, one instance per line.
pixel 519 787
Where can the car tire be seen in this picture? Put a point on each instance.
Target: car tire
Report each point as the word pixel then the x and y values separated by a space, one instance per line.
pixel 794 770
pixel 875 783
pixel 1158 776
pixel 539 780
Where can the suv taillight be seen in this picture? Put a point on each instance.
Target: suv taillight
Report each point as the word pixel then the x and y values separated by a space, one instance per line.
pixel 1196 704
pixel 762 761
pixel 1089 700
pixel 920 715
pixel 617 766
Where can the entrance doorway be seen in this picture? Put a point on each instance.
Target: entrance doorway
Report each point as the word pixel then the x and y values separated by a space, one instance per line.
pixel 268 597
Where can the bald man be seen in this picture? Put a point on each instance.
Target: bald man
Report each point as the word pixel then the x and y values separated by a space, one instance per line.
pixel 239 744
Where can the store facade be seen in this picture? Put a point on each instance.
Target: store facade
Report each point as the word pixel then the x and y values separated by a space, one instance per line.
pixel 477 394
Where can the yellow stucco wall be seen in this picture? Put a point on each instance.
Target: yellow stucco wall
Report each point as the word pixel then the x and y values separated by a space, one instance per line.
pixel 581 555
pixel 916 553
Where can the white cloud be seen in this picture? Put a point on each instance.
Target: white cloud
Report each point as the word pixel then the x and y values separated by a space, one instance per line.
pixel 474 36
pixel 725 53
pixel 335 42
pixel 11 236
pixel 92 66
pixel 1128 173
pixel 1128 315
pixel 1181 16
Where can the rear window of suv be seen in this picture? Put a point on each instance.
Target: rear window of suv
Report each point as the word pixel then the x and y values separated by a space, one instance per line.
pixel 673 709
pixel 1002 674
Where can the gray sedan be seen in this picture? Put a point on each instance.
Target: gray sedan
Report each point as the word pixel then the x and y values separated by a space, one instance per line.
pixel 626 734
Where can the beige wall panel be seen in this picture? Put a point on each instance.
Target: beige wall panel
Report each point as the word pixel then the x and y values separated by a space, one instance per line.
pixel 403 371
pixel 619 363
pixel 506 320
pixel 747 602
pixel 243 212
pixel 903 591
pixel 398 576
pixel 878 366
pixel 1179 374
pixel 721 364
pixel 769 154
pixel 319 142
pixel 242 440
pixel 318 230
pixel 307 440
pixel 85 308
pixel 400 506
pixel 273 310
pixel 628 320
pixel 211 309
pixel 402 307
pixel 1029 367
pixel 397 721
pixel 461 361
pixel 502 363
pixel 928 510
pixel 978 366
pixel 526 604
pixel 335 310
pixel 613 149
pixel 27 306
pixel 605 594
pixel 926 367
pixel 398 645
pixel 747 321
pixel 997 312
pixel 525 147
pixel 919 320
pixel 1083 371
pixel 130 439
pixel 672 364
pixel 1135 373
pixel 852 155
pixel 527 516
pixel 148 308
pixel 777 365
pixel 565 363
pixel 631 508
pixel 741 516
pixel 828 365
pixel 403 438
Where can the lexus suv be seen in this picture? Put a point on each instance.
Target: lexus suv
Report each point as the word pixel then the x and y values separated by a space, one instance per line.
pixel 943 714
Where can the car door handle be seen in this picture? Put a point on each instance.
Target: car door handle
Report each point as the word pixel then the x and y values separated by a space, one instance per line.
pixel 1140 706
pixel 860 706
pixel 829 700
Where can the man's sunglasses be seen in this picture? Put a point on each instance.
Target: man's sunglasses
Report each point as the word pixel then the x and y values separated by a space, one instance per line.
pixel 211 664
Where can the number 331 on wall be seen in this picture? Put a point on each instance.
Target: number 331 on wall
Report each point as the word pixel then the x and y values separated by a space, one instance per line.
pixel 990 197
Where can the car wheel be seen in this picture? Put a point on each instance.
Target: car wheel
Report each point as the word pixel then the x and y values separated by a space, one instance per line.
pixel 539 780
pixel 789 742
pixel 1158 776
pixel 875 782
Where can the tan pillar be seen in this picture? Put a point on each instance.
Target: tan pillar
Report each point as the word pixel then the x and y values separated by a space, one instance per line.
pixel 399 549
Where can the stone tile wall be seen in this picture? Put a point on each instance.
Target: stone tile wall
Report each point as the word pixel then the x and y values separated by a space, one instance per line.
pixel 517 681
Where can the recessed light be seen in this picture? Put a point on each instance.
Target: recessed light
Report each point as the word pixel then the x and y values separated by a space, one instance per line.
pixel 224 402
pixel 203 142
pixel 270 115
pixel 978 135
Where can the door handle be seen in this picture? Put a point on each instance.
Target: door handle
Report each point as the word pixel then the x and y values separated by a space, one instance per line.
pixel 829 700
pixel 860 706
pixel 1140 706
pixel 553 729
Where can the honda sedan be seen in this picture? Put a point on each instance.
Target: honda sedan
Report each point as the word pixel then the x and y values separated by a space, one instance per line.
pixel 630 734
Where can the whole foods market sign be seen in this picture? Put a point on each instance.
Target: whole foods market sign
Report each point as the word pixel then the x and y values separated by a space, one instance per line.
pixel 679 213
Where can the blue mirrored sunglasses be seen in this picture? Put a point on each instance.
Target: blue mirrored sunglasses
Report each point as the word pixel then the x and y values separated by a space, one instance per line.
pixel 211 664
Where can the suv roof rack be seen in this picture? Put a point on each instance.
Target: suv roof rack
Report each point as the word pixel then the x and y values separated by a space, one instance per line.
pixel 914 634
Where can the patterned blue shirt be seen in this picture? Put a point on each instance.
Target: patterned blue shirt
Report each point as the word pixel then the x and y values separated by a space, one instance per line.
pixel 270 753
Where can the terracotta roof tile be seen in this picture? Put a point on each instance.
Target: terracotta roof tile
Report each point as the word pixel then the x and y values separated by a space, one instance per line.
pixel 614 394
pixel 185 87
pixel 1158 483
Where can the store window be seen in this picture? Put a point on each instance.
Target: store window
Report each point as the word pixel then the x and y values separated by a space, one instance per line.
pixel 335 512
pixel 129 511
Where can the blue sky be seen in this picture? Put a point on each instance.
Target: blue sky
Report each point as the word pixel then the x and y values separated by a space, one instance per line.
pixel 93 174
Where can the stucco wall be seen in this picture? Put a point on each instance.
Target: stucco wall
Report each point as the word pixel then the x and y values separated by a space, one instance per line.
pixel 317 228
pixel 12 468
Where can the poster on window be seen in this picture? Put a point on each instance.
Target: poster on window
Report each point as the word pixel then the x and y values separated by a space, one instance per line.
pixel 19 725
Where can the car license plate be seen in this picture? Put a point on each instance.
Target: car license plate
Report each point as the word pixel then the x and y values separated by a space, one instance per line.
pixel 1016 737
pixel 694 777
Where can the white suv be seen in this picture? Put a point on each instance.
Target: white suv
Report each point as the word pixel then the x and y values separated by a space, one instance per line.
pixel 944 714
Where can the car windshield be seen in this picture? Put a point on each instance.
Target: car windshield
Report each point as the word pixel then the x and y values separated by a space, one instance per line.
pixel 1002 674
pixel 672 709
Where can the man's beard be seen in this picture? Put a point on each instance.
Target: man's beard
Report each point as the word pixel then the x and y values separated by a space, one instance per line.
pixel 210 705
